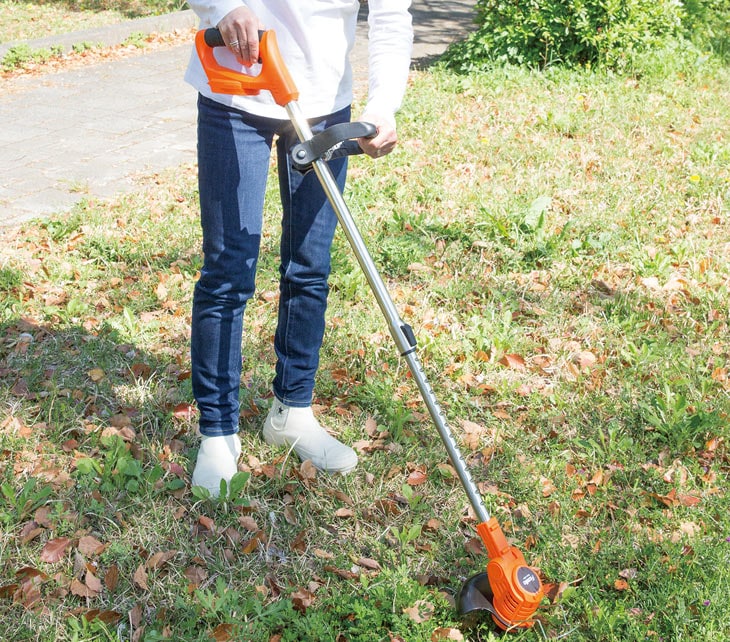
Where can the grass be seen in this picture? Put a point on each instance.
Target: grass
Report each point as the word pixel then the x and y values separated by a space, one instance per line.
pixel 30 20
pixel 559 242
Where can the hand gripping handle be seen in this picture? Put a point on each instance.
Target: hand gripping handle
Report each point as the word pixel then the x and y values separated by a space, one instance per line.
pixel 273 77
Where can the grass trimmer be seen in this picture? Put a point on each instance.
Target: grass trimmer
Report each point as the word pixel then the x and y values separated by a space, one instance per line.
pixel 509 590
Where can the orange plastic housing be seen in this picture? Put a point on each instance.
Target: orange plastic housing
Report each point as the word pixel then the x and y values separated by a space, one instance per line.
pixel 273 77
pixel 517 589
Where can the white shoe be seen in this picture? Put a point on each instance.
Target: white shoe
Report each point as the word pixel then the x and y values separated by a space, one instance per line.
pixel 217 459
pixel 299 428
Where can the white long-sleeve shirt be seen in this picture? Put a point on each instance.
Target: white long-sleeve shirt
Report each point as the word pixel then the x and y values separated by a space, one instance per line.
pixel 315 38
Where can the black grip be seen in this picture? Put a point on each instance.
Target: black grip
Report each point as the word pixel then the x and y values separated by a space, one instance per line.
pixel 334 142
pixel 213 37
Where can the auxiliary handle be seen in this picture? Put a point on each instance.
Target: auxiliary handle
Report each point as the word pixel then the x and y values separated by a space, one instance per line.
pixel 274 76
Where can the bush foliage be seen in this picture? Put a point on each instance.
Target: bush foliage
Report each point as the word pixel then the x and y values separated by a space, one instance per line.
pixel 604 33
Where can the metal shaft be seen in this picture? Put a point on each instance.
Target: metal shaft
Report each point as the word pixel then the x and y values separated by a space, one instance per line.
pixel 398 329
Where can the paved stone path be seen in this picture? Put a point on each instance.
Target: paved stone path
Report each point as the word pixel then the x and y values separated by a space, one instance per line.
pixel 95 131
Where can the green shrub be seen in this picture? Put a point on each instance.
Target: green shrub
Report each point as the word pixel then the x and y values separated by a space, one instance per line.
pixel 707 24
pixel 606 33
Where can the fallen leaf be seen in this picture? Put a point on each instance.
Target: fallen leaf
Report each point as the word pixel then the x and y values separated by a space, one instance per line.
pixel 302 599
pixel 89 545
pixel 344 513
pixel 513 361
pixel 249 523
pixel 183 411
pixel 160 558
pixel 96 374
pixel 420 612
pixel 621 585
pixel 366 562
pixel 554 591
pixel 475 546
pixel 140 577
pixel 196 575
pixel 547 486
pixel 111 577
pixel 416 478
pixel 628 573
pixel 107 617
pixel 446 633
pixel 55 550
pixel 223 632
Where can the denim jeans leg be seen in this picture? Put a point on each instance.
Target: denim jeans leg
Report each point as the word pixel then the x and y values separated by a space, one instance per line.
pixel 233 163
pixel 308 227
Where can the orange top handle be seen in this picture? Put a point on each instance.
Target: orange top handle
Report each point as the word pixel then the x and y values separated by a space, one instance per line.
pixel 273 77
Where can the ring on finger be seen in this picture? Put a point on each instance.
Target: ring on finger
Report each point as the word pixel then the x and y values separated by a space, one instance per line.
pixel 233 44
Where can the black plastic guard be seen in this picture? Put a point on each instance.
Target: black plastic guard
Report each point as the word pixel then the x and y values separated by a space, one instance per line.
pixel 475 598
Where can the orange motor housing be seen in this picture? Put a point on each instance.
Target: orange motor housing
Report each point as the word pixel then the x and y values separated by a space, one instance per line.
pixel 516 587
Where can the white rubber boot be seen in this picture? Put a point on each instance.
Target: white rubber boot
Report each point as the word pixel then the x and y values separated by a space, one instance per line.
pixel 217 459
pixel 299 428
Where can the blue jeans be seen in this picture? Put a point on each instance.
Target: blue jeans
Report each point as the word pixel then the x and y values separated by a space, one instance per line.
pixel 234 150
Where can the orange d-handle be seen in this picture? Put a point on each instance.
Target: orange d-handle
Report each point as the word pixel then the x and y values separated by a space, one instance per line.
pixel 273 77
pixel 517 588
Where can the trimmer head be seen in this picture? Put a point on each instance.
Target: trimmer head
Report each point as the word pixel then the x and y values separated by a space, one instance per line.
pixel 510 591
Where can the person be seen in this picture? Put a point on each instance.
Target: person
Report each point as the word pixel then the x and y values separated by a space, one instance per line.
pixel 235 137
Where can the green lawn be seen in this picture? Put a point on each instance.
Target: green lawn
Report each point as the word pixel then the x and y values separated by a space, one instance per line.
pixel 31 20
pixel 559 242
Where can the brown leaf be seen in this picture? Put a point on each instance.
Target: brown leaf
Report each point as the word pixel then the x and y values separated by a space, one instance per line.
pixel 420 612
pixel 344 513
pixel 223 632
pixel 621 585
pixel 475 546
pixel 206 522
pixel 29 532
pixel 196 575
pixel 252 544
pixel 43 517
pixel 160 558
pixel 299 543
pixel 89 545
pixel 96 374
pixel 447 633
pixel 554 591
pixel 513 361
pixel 366 562
pixel 547 487
pixel 140 577
pixel 472 433
pixel 135 616
pixel 302 599
pixel 108 617
pixel 183 411
pixel 432 525
pixel 111 577
pixel 80 589
pixel 55 550
pixel 249 523
pixel 340 572
pixel 416 478
pixel 307 471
